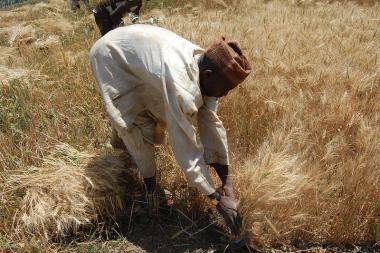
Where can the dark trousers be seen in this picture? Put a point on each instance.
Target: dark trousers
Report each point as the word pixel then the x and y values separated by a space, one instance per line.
pixel 107 21
pixel 104 22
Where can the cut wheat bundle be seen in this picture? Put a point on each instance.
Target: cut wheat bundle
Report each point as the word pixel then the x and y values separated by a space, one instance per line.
pixel 69 190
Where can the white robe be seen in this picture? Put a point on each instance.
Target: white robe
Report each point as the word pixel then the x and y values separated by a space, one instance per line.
pixel 146 70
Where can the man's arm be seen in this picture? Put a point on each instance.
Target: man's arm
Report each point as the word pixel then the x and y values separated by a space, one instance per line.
pixel 187 147
pixel 214 139
pixel 212 133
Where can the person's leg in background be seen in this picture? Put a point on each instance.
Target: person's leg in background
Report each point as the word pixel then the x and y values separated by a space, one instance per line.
pixel 103 20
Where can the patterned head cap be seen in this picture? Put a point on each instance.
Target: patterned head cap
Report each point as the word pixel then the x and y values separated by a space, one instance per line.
pixel 229 61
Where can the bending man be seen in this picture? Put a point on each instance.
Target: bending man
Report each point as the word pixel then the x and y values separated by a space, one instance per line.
pixel 153 80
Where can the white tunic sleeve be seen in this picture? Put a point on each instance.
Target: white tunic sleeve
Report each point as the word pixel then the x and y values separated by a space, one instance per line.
pixel 187 147
pixel 212 132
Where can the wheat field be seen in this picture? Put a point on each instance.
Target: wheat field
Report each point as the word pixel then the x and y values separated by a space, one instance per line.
pixel 303 129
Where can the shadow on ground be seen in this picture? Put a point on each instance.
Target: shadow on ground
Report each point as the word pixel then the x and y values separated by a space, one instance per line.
pixel 134 228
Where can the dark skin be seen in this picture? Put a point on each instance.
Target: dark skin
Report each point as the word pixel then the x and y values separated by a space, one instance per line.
pixel 212 84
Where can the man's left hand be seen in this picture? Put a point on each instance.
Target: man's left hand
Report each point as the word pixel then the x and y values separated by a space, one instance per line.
pixel 227 207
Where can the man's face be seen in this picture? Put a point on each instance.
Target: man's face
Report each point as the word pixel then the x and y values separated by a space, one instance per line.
pixel 213 84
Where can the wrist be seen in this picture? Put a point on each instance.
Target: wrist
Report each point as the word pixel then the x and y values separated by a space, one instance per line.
pixel 215 196
pixel 228 182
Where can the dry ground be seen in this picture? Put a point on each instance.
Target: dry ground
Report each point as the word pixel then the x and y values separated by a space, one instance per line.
pixel 303 129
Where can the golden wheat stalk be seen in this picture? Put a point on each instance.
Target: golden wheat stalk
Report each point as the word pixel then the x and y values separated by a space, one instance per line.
pixel 70 189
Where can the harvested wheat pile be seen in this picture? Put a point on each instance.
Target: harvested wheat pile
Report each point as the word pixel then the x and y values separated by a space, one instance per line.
pixel 69 190
pixel 21 33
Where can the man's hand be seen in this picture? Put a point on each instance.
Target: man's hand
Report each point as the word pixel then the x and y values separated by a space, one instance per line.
pixel 227 207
